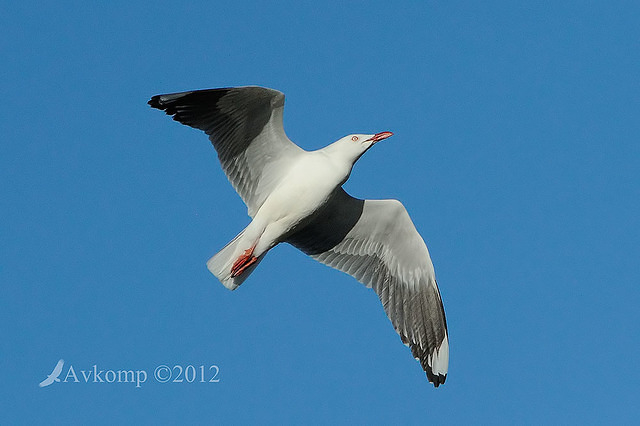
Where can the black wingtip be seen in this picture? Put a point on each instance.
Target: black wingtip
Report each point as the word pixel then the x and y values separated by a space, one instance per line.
pixel 155 102
pixel 420 355
pixel 437 380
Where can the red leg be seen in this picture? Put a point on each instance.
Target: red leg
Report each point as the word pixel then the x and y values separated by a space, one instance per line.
pixel 243 262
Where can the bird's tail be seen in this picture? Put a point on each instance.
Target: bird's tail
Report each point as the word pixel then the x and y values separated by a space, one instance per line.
pixel 221 263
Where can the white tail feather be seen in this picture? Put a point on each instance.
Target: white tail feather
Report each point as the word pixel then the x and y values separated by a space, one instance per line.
pixel 221 263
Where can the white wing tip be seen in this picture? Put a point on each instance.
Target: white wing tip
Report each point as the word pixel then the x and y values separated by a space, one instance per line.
pixel 439 359
pixel 437 363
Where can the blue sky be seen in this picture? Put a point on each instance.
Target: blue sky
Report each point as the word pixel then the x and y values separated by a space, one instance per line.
pixel 515 151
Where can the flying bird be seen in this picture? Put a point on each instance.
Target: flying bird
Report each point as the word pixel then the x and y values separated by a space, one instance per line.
pixel 53 377
pixel 296 196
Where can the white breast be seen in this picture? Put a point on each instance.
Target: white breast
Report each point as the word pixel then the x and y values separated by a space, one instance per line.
pixel 303 190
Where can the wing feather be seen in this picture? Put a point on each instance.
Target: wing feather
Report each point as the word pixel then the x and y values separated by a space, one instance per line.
pixel 376 242
pixel 244 125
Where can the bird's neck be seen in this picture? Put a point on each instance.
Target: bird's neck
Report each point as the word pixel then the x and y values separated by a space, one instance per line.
pixel 336 164
pixel 338 152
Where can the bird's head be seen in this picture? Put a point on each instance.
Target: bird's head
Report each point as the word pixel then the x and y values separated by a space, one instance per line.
pixel 357 144
pixel 366 140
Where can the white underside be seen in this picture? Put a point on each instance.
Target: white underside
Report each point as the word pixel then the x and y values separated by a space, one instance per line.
pixel 305 187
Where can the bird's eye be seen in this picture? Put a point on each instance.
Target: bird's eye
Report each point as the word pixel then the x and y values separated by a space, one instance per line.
pixel 354 138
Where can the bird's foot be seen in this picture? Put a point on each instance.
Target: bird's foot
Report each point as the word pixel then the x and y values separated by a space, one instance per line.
pixel 243 262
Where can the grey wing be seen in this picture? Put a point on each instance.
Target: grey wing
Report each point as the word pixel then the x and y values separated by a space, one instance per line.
pixel 376 242
pixel 245 126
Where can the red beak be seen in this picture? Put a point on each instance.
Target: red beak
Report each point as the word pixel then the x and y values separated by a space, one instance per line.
pixel 379 136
